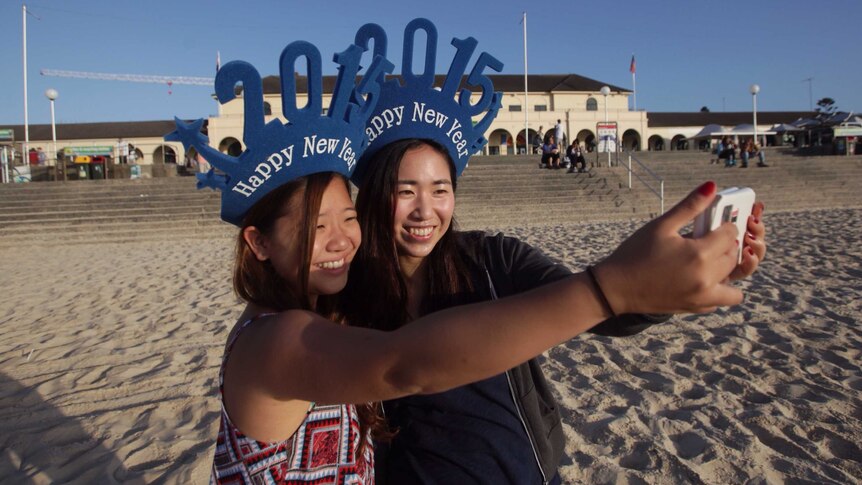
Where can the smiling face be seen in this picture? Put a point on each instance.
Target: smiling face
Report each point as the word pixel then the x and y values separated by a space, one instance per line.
pixel 424 203
pixel 336 239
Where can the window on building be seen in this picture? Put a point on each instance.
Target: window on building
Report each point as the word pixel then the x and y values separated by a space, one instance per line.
pixel 267 109
pixel 541 107
pixel 592 104
pixel 514 107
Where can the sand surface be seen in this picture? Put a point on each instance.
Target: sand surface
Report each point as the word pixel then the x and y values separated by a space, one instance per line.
pixel 110 353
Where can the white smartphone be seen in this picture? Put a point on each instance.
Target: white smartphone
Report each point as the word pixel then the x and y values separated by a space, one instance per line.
pixel 734 205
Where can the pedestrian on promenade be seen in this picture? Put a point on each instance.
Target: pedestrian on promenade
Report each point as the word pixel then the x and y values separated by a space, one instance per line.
pixel 558 133
pixel 538 140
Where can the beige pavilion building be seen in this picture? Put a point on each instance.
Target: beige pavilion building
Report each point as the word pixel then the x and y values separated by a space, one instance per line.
pixel 575 100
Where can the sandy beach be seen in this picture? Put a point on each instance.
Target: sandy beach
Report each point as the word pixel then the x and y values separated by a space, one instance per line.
pixel 110 354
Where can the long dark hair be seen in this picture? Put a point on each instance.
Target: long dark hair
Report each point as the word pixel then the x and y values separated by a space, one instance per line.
pixel 383 305
pixel 258 282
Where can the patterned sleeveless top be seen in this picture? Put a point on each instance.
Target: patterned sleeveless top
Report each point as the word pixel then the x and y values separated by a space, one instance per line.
pixel 322 450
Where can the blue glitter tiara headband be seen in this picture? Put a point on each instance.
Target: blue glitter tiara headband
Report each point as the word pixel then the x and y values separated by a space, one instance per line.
pixel 418 109
pixel 310 142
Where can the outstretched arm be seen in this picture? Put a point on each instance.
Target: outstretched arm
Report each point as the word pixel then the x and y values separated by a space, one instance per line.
pixel 298 356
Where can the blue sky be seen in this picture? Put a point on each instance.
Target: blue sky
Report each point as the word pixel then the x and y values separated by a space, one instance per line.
pixel 689 53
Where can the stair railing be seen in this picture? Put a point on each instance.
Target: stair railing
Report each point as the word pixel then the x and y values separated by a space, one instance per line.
pixel 660 192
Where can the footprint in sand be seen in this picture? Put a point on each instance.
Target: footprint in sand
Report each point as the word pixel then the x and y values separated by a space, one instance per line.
pixel 689 444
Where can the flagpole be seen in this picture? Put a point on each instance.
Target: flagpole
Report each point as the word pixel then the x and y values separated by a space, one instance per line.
pixel 526 93
pixel 634 82
pixel 26 154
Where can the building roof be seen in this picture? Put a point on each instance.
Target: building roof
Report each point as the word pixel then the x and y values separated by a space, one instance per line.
pixel 508 83
pixel 78 131
pixel 727 118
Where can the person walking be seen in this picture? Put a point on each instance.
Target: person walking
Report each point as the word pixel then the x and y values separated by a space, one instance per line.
pixel 560 135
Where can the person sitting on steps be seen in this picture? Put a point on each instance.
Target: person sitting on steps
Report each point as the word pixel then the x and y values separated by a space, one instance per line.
pixel 751 150
pixel 551 153
pixel 576 155
pixel 726 150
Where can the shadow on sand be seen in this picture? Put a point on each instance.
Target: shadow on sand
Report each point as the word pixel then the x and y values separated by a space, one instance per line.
pixel 40 444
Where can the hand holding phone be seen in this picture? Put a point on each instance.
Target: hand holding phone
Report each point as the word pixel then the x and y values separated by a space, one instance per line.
pixel 734 205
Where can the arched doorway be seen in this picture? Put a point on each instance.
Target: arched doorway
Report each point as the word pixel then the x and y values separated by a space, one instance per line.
pixel 231 146
pixel 679 142
pixel 164 154
pixel 631 141
pixel 656 143
pixel 191 156
pixel 587 139
pixel 500 143
pixel 531 139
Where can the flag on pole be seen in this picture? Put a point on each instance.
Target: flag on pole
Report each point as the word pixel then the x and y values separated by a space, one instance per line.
pixel 632 65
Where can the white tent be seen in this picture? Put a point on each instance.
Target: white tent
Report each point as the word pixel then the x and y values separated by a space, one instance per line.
pixel 745 129
pixel 708 131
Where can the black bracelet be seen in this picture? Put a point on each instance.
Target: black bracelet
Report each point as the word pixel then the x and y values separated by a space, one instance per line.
pixel 602 297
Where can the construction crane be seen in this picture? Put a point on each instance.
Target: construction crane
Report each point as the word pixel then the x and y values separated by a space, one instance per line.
pixel 135 78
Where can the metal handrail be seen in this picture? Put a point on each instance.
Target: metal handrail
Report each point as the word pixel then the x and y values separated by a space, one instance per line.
pixel 660 193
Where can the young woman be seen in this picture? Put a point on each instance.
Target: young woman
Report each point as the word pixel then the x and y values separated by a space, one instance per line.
pixel 576 156
pixel 504 429
pixel 291 377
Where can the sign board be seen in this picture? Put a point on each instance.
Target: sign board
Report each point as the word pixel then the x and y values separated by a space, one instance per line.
pixel 7 134
pixel 135 171
pixel 21 174
pixel 91 150
pixel 607 134
pixel 847 131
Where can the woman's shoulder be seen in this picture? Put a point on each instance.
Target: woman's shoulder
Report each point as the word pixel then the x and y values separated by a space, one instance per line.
pixel 483 242
pixel 270 322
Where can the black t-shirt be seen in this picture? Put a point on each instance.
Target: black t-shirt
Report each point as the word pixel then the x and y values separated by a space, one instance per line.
pixel 470 434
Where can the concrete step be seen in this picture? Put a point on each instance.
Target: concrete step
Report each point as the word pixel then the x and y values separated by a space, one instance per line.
pixel 494 192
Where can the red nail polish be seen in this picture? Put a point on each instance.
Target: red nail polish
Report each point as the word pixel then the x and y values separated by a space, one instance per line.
pixel 750 250
pixel 756 220
pixel 707 188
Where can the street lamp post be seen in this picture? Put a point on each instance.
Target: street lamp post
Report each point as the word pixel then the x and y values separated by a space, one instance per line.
pixel 605 92
pixel 754 89
pixel 52 94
